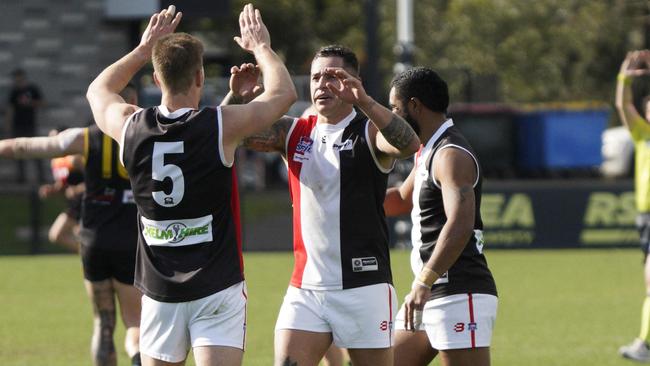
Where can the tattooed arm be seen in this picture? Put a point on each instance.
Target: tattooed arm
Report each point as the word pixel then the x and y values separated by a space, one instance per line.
pixel 390 135
pixel 271 140
pixel 394 138
pixel 455 171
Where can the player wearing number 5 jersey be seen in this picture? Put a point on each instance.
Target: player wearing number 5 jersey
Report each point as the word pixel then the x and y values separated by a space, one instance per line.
pixel 180 158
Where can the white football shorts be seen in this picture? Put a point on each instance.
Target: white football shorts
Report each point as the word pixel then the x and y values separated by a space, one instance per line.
pixel 168 330
pixel 457 321
pixel 359 317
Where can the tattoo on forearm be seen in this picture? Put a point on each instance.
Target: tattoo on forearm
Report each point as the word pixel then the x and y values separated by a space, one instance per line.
pixel 288 362
pixel 272 139
pixel 398 133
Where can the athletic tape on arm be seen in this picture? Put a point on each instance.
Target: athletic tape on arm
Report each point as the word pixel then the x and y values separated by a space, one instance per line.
pixel 44 147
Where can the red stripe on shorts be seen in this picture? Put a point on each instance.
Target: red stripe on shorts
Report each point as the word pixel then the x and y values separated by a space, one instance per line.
pixel 390 316
pixel 471 320
pixel 243 292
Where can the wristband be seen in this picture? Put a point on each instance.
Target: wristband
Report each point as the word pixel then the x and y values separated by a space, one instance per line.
pixel 418 283
pixel 428 277
pixel 625 79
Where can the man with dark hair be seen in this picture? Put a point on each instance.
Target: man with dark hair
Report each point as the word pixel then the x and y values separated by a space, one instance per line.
pixel 338 160
pixel 637 63
pixel 180 159
pixel 452 305
pixel 108 229
pixel 24 101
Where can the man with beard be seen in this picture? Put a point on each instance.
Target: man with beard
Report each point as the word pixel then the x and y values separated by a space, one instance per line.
pixel 452 305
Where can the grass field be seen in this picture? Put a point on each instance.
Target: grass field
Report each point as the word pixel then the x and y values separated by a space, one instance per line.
pixel 563 307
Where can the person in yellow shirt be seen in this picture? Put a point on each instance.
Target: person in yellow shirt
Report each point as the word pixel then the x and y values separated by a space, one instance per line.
pixel 638 63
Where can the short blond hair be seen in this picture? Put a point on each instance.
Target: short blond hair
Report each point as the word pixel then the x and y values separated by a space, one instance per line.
pixel 176 57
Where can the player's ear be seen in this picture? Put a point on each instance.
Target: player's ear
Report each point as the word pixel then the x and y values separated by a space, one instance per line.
pixel 156 81
pixel 199 78
pixel 415 104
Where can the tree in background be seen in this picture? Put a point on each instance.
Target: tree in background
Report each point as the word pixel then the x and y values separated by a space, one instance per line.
pixel 503 50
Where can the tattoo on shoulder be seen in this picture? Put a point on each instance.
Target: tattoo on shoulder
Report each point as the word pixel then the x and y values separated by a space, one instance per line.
pixel 272 139
pixel 398 133
pixel 288 362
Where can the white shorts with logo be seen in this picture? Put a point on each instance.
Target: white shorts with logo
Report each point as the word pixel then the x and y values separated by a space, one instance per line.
pixel 168 330
pixel 359 317
pixel 457 321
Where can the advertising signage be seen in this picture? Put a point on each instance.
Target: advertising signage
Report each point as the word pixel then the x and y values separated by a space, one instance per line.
pixel 559 214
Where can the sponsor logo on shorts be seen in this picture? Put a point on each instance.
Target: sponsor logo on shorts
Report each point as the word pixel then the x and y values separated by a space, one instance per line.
pixel 177 232
pixel 461 327
pixel 365 264
pixel 386 325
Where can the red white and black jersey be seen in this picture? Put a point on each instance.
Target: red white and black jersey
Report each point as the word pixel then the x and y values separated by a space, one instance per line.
pixel 470 273
pixel 188 209
pixel 337 187
pixel 108 212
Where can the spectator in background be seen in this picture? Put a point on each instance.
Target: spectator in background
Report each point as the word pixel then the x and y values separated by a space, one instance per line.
pixel 24 100
pixel 637 63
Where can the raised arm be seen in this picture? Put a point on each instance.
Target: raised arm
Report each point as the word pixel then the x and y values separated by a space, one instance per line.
pixel 244 84
pixel 391 136
pixel 241 121
pixel 456 173
pixel 109 108
pixel 630 68
pixel 67 142
pixel 244 87
pixel 398 200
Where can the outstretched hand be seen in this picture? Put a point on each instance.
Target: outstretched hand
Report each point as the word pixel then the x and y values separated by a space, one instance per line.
pixel 252 29
pixel 244 81
pixel 349 88
pixel 159 25
pixel 636 63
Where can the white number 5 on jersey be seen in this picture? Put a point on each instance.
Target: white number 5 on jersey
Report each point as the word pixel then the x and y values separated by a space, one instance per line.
pixel 160 171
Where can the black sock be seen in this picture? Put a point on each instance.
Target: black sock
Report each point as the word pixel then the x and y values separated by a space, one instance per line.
pixel 135 360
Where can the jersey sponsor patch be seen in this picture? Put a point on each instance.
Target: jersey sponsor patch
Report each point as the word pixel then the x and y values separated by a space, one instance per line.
pixel 346 145
pixel 365 264
pixel 303 149
pixel 127 196
pixel 176 233
pixel 304 145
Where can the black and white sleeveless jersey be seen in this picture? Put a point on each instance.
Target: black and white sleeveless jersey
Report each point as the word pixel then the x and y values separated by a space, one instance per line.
pixel 188 207
pixel 108 212
pixel 470 273
pixel 337 188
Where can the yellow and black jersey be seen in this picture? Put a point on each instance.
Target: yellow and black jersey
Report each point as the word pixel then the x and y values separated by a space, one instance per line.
pixel 108 212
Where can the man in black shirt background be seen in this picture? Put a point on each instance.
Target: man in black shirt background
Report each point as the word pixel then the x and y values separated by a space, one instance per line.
pixel 25 99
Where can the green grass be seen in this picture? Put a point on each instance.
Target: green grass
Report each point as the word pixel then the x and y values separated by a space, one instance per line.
pixel 564 307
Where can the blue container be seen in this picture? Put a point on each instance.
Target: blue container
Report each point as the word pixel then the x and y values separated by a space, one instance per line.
pixel 560 139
